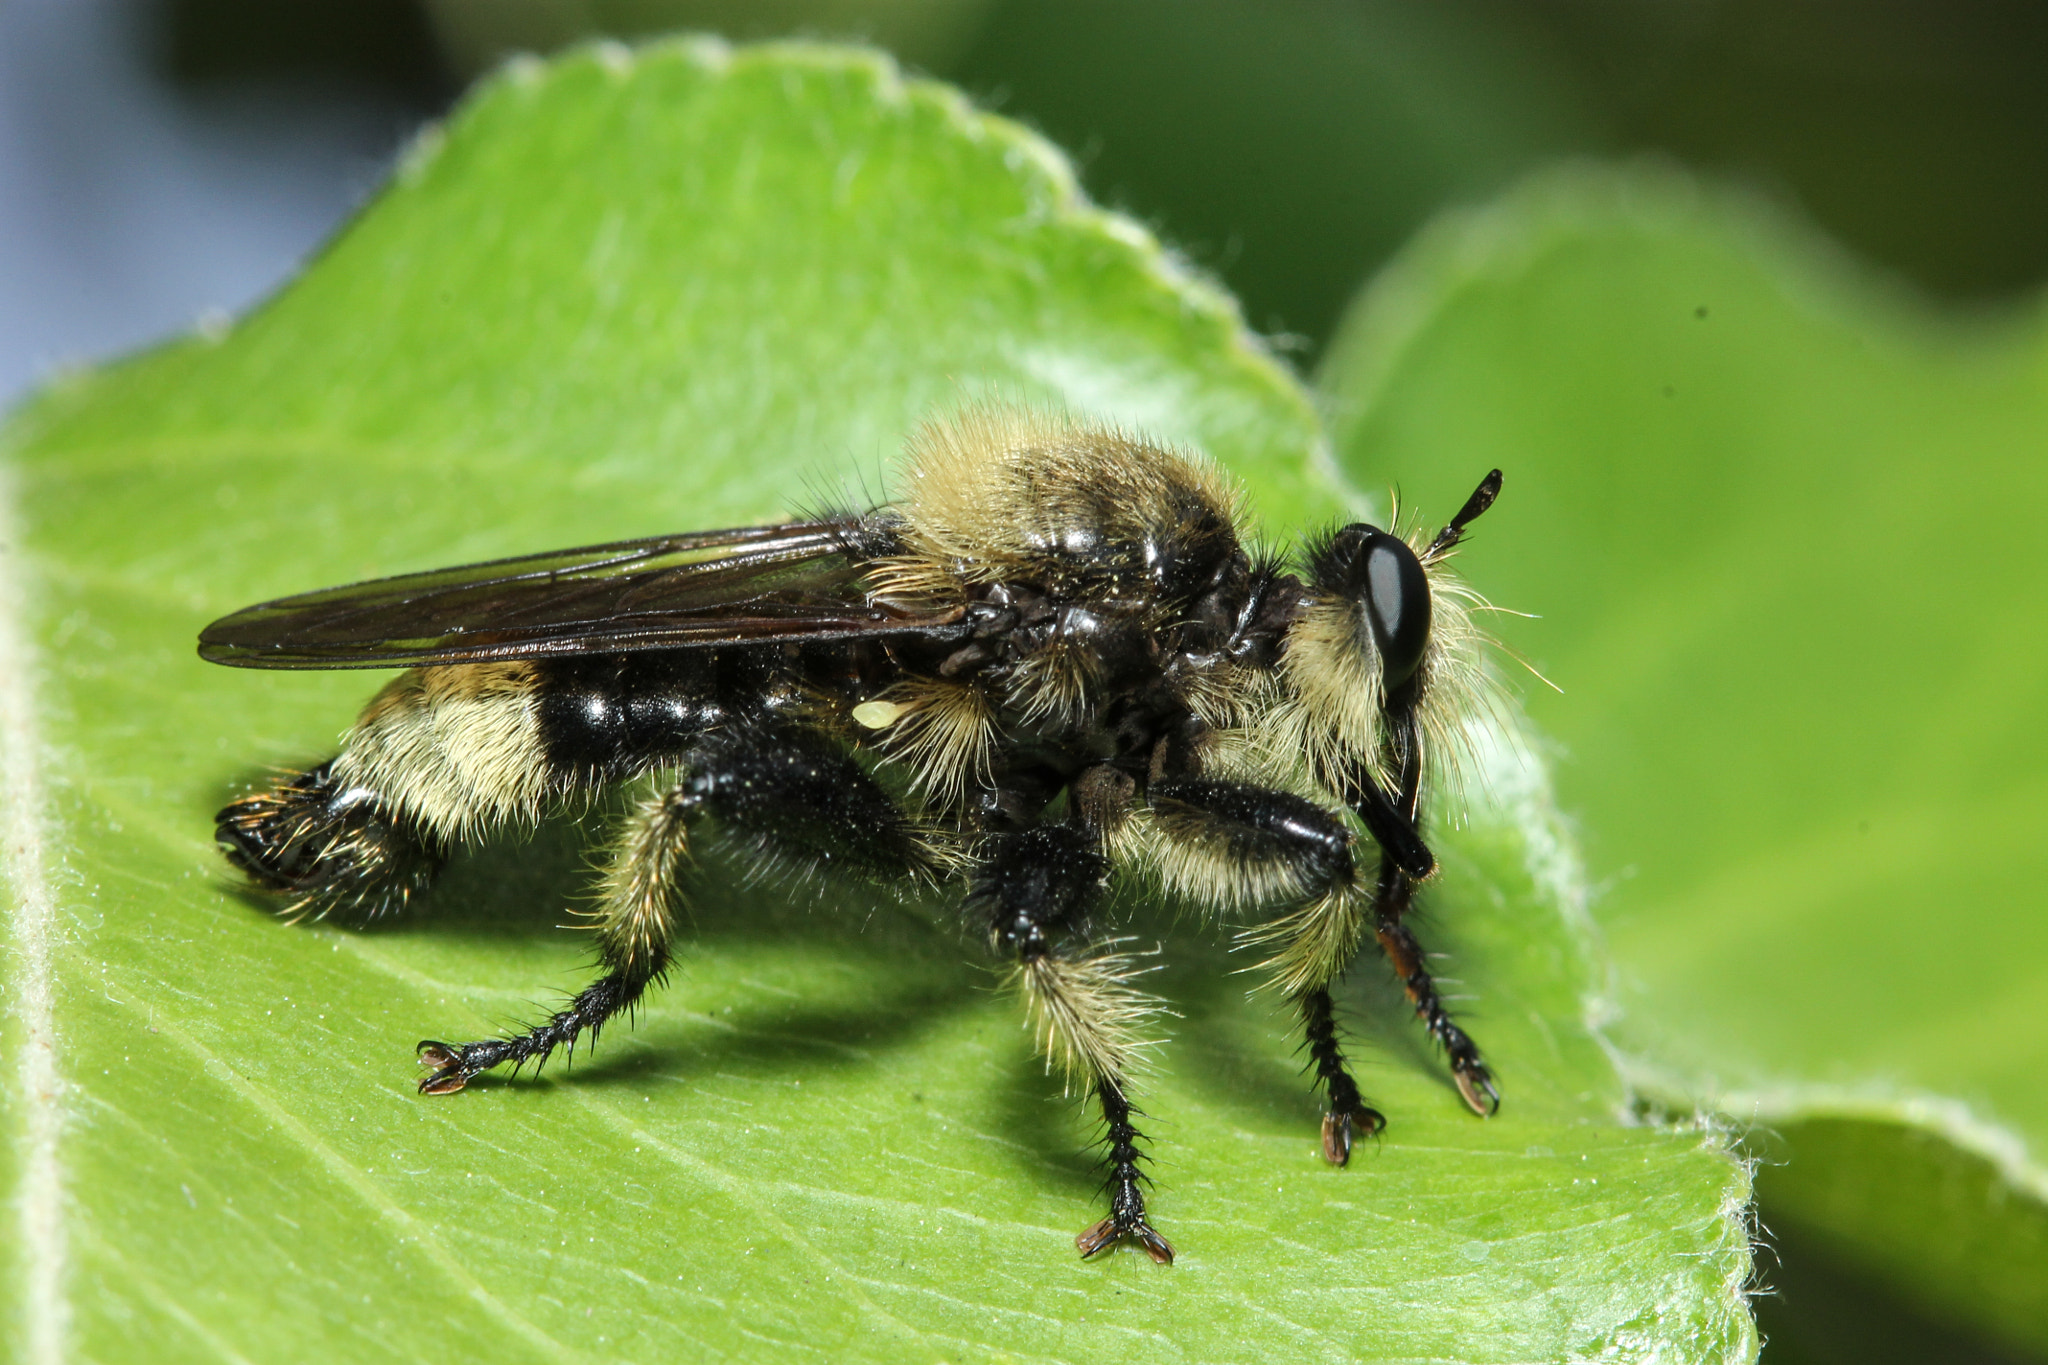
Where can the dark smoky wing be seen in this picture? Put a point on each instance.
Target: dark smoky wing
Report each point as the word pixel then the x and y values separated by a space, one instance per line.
pixel 798 581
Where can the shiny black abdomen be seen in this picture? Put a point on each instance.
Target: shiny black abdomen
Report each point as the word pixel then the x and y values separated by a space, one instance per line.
pixel 610 715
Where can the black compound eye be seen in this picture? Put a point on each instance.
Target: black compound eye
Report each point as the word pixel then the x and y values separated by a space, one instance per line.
pixel 1396 595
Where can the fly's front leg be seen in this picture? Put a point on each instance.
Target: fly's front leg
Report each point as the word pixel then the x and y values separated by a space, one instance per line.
pixel 1392 900
pixel 1394 896
pixel 787 796
pixel 1237 845
pixel 1036 887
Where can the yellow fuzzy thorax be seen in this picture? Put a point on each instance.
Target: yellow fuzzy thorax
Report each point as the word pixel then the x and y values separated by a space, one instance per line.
pixel 998 490
pixel 1005 494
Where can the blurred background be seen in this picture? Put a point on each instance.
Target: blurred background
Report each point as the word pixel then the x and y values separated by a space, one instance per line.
pixel 164 159
pixel 163 162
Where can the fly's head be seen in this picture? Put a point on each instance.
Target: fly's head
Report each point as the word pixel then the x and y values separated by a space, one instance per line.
pixel 1383 660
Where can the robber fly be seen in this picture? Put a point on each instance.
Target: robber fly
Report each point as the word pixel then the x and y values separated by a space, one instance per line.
pixel 1053 659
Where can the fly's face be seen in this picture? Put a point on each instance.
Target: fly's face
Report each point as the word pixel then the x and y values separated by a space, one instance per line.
pixel 1383 660
pixel 1382 579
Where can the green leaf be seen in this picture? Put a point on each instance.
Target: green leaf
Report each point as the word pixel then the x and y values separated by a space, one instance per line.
pixel 1780 526
pixel 687 287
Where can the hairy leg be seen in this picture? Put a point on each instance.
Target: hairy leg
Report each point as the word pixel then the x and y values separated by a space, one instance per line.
pixel 330 847
pixel 788 796
pixel 635 923
pixel 1229 841
pixel 1036 887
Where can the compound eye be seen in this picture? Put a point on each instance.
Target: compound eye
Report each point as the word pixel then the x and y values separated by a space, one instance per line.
pixel 1396 593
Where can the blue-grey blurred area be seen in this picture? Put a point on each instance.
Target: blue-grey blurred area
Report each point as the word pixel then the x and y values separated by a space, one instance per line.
pixel 162 159
pixel 145 183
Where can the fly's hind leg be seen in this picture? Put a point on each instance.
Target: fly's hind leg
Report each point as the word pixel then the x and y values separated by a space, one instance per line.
pixel 634 922
pixel 330 847
pixel 1037 887
pixel 787 795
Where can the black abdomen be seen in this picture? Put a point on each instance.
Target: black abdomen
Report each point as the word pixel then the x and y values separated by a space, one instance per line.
pixel 615 714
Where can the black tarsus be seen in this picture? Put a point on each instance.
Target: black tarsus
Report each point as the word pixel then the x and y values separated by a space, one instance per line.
pixel 1126 1221
pixel 1348 1115
pixel 456 1064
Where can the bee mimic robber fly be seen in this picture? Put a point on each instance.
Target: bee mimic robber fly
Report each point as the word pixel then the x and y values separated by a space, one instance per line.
pixel 1053 659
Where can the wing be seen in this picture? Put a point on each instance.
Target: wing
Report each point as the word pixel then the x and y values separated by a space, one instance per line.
pixel 801 581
